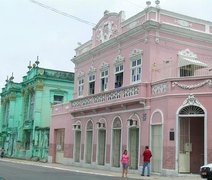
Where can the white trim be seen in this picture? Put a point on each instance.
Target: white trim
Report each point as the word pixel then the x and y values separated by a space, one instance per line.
pixel 97 148
pixel 112 136
pixel 162 129
pixel 110 113
pixel 85 141
pixel 177 132
pixel 188 61
pixel 139 134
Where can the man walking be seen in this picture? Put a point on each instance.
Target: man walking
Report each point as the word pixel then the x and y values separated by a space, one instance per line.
pixel 147 154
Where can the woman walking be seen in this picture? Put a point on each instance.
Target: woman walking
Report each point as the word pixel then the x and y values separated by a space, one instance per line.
pixel 125 163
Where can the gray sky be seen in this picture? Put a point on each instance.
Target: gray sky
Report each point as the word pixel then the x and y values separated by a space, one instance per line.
pixel 28 30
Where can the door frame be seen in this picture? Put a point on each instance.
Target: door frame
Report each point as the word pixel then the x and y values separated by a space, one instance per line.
pixel 190 101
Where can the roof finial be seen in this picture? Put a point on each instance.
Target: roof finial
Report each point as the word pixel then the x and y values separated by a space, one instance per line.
pixel 148 3
pixel 29 66
pixel 37 62
pixel 157 2
pixel 7 79
pixel 106 12
pixel 11 78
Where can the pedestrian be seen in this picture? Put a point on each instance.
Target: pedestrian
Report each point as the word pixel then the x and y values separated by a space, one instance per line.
pixel 2 152
pixel 147 154
pixel 125 163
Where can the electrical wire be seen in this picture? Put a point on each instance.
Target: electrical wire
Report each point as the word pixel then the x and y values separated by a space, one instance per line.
pixel 136 5
pixel 62 13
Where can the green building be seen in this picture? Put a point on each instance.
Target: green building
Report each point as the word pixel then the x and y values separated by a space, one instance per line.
pixel 25 114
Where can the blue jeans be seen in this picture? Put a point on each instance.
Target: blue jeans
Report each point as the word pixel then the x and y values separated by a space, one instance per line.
pixel 146 164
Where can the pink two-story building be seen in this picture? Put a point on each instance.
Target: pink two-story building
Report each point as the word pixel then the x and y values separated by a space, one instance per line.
pixel 146 80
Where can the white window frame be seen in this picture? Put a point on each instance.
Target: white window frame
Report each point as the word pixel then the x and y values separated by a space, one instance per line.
pixel 137 69
pixel 91 79
pixel 120 70
pixel 56 100
pixel 136 56
pixel 80 87
pixel 104 76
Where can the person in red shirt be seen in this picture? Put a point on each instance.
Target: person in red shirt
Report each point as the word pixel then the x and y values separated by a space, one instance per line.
pixel 125 163
pixel 147 154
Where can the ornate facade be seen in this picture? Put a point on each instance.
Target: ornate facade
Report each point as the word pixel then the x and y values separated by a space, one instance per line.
pixel 26 111
pixel 141 81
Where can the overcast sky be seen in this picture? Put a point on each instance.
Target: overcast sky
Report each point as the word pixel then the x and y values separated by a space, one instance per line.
pixel 29 30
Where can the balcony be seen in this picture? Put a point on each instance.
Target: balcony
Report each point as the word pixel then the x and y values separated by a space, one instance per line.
pixel 117 96
pixel 171 69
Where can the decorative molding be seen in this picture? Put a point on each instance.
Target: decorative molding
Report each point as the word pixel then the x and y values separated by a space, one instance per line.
pixel 133 24
pixel 157 40
pixel 92 70
pixel 119 59
pixel 107 97
pixel 159 88
pixel 104 66
pixel 187 53
pixel 85 49
pixel 193 86
pixel 136 52
pixel 105 32
pixel 183 23
pixel 41 72
pixel 81 74
pixel 191 100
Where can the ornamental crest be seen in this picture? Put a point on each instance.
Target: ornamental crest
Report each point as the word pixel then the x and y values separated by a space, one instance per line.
pixel 119 59
pixel 104 66
pixel 135 52
pixel 106 31
pixel 187 53
pixel 81 74
pixel 191 100
pixel 92 70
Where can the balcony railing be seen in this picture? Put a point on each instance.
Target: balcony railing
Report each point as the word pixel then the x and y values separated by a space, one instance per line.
pixel 170 69
pixel 111 96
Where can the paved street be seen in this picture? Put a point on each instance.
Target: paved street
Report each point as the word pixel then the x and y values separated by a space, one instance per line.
pixel 12 169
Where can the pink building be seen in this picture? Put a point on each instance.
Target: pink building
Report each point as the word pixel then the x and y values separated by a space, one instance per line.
pixel 146 80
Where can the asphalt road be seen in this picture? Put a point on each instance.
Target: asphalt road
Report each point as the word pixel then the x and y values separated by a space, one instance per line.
pixel 13 171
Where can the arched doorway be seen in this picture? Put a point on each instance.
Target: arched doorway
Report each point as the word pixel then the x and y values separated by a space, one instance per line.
pixel 101 126
pixel 77 141
pixel 60 135
pixel 89 142
pixel 133 140
pixel 116 146
pixel 191 136
pixel 156 140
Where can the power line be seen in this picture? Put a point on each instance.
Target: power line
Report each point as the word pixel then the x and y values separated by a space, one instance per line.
pixel 62 13
pixel 136 5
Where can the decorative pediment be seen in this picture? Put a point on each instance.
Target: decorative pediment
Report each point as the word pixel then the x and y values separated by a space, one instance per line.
pixel 187 53
pixel 119 59
pixel 81 74
pixel 135 52
pixel 191 100
pixel 104 66
pixel 106 31
pixel 92 70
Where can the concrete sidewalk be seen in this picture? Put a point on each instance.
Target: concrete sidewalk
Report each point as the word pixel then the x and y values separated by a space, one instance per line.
pixel 98 171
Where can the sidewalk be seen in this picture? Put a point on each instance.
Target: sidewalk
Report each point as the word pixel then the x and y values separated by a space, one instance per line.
pixel 98 171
